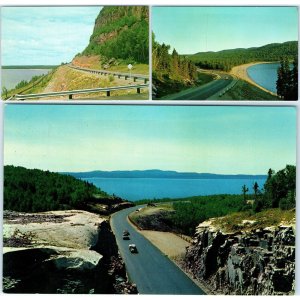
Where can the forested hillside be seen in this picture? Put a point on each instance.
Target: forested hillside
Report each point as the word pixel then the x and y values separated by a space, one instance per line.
pixel 36 190
pixel 121 32
pixel 171 72
pixel 226 59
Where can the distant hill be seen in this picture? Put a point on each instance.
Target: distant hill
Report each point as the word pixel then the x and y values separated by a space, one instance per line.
pixel 121 32
pixel 159 174
pixel 226 59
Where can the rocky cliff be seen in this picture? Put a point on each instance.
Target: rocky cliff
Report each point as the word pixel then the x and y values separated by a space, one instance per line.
pixel 61 252
pixel 257 262
pixel 120 32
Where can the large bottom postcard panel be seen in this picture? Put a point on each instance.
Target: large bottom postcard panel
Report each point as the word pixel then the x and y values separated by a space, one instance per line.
pixel 149 199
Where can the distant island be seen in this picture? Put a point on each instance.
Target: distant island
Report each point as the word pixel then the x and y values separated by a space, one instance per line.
pixel 155 173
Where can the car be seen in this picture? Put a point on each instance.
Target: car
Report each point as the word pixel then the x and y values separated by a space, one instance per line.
pixel 126 232
pixel 126 237
pixel 132 248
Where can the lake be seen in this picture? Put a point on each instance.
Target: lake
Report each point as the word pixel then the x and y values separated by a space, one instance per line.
pixel 11 77
pixel 265 75
pixel 149 188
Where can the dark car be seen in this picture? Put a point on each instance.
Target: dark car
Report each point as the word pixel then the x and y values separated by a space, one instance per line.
pixel 132 248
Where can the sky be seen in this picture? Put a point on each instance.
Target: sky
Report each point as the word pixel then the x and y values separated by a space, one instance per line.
pixel 196 29
pixel 45 35
pixel 222 140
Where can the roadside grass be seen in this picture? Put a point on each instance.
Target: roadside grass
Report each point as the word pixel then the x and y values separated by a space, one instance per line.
pixel 246 91
pixel 204 78
pixel 66 78
pixel 247 220
pixel 136 69
pixel 166 87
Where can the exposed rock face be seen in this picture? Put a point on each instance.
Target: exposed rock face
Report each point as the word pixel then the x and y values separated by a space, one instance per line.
pixel 61 252
pixel 261 262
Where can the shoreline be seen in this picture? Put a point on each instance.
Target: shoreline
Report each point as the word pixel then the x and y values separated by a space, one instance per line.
pixel 241 72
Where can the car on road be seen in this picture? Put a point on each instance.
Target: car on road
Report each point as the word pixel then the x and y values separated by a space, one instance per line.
pixel 132 248
pixel 126 235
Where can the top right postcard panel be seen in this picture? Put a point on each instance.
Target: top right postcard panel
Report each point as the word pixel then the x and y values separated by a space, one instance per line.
pixel 225 53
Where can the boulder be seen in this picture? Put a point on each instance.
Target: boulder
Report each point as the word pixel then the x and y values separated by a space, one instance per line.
pixel 60 252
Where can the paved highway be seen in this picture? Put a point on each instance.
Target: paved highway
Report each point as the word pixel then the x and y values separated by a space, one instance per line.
pixel 150 269
pixel 204 91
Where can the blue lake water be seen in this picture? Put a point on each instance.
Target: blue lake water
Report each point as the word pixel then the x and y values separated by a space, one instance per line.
pixel 149 188
pixel 11 77
pixel 264 75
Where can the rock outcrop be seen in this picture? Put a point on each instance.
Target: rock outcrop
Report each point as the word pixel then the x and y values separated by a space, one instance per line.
pixel 259 262
pixel 61 252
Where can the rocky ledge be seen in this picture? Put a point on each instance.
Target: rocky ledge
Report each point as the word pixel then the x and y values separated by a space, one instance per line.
pixel 61 252
pixel 259 262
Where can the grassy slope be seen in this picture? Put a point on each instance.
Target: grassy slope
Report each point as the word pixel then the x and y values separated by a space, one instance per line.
pixel 265 218
pixel 168 87
pixel 246 91
pixel 94 62
pixel 65 78
pixel 32 87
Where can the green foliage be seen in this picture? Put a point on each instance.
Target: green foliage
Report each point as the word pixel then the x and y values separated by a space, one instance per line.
pixel 35 190
pixel 226 59
pixel 121 32
pixel 170 70
pixel 190 211
pixel 280 188
pixel 287 80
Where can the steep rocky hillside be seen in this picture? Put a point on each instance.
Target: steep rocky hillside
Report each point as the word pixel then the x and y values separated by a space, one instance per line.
pixel 251 260
pixel 120 32
pixel 61 252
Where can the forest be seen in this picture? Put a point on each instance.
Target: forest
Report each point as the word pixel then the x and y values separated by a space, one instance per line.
pixel 226 59
pixel 33 190
pixel 279 191
pixel 170 72
pixel 121 32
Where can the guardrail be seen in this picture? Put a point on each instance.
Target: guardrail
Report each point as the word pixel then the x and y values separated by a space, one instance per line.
pixel 119 74
pixel 83 91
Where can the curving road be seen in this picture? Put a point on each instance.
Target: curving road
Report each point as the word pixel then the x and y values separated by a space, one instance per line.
pixel 203 92
pixel 150 269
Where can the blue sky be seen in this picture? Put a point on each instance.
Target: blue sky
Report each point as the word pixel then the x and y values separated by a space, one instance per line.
pixel 45 35
pixel 223 140
pixel 196 29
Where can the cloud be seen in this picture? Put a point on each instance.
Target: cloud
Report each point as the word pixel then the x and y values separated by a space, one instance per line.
pixel 40 34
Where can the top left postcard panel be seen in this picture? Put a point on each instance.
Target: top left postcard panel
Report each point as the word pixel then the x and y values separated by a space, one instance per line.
pixel 75 53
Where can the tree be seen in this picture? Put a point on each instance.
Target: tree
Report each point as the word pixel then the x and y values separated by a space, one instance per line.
pixel 244 190
pixel 287 80
pixel 256 189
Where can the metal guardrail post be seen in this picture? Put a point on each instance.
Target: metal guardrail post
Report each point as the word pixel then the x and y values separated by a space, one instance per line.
pixel 138 90
pixel 107 93
pixel 70 97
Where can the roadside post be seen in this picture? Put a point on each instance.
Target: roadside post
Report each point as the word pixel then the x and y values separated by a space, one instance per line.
pixel 129 68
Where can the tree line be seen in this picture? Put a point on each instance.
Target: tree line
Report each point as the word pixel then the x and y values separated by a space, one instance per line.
pixel 33 190
pixel 226 59
pixel 171 70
